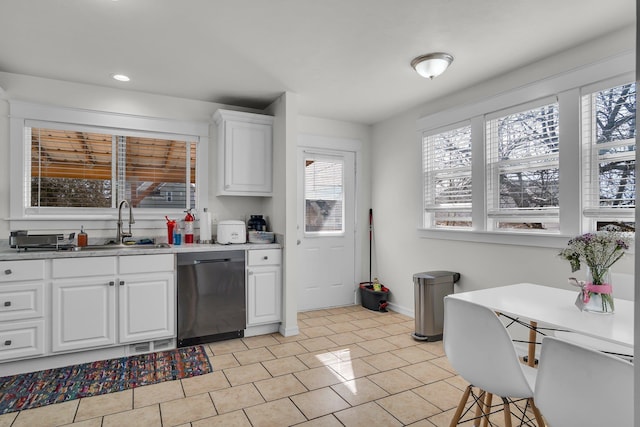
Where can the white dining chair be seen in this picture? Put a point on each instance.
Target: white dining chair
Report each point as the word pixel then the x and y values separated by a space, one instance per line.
pixel 480 349
pixel 580 386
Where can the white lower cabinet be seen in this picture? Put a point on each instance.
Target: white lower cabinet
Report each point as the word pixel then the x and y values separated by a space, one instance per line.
pixel 147 307
pixel 264 287
pixel 136 302
pixel 83 313
pixel 22 325
pixel 21 339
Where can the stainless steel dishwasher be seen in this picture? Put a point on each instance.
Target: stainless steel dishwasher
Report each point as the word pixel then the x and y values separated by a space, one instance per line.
pixel 211 296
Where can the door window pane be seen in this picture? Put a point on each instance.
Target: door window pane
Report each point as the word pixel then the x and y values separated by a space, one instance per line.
pixel 324 195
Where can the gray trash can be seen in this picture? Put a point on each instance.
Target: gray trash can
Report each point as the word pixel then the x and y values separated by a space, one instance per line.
pixel 430 289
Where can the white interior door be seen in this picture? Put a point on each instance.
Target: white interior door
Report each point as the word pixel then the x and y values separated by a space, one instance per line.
pixel 326 228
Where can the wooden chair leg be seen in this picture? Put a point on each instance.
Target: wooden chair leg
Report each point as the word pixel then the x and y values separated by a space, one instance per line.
pixel 487 409
pixel 479 408
pixel 463 401
pixel 507 412
pixel 536 412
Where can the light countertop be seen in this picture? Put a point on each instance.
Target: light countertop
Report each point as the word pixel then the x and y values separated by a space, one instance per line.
pixel 10 254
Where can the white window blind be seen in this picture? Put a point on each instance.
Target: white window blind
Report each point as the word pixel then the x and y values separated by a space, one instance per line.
pixel 609 156
pixel 523 169
pixel 324 194
pixel 447 178
pixel 81 167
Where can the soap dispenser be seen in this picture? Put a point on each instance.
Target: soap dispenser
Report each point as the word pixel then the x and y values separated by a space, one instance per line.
pixel 83 239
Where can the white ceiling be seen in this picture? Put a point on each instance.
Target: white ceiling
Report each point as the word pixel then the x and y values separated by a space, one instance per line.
pixel 346 59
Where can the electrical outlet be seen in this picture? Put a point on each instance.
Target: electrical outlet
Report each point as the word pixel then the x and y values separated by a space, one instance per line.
pixel 214 218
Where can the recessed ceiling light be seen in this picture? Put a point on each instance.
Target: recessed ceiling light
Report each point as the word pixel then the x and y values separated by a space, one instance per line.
pixel 120 77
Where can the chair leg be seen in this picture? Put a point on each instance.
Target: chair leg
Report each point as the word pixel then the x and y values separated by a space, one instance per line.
pixel 539 420
pixel 487 409
pixel 480 414
pixel 507 412
pixel 463 401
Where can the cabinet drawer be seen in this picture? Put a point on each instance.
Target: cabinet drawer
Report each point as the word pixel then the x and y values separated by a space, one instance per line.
pixel 21 301
pixel 83 267
pixel 21 339
pixel 264 257
pixel 146 263
pixel 13 271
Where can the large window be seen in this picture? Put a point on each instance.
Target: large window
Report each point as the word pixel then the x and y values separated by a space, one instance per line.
pixel 609 147
pixel 89 168
pixel 548 161
pixel 523 169
pixel 73 167
pixel 447 178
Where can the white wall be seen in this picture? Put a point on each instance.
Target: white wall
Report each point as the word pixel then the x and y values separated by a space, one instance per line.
pixel 73 95
pixel 396 196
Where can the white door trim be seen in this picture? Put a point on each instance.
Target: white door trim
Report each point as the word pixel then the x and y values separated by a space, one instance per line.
pixel 312 141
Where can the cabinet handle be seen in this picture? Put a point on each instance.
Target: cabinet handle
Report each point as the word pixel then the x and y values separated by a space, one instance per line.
pixel 7 303
pixel 112 283
pixel 121 282
pixel 7 342
pixel 250 273
pixel 8 271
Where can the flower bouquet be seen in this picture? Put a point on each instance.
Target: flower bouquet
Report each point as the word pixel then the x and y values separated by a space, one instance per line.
pixel 599 251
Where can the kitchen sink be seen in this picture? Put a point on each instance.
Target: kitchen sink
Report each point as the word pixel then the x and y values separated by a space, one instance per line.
pixel 116 246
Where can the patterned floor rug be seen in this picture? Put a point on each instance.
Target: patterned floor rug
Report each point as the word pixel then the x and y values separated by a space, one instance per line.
pixel 34 389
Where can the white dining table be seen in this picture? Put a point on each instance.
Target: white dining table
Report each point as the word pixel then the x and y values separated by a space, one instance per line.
pixel 556 309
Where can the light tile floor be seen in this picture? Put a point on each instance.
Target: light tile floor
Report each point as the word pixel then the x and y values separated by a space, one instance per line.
pixel 349 366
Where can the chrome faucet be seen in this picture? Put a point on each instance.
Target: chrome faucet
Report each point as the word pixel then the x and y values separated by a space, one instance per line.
pixel 122 234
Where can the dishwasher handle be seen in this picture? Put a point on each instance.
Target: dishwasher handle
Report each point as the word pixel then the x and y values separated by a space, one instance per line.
pixel 211 261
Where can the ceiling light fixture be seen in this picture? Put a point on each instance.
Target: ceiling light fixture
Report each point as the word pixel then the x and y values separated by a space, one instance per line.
pixel 432 64
pixel 120 77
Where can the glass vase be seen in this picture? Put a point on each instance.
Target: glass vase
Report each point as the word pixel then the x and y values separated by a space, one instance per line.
pixel 594 301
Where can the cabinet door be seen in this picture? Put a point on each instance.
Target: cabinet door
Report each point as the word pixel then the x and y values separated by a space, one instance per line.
pixel 264 295
pixel 21 339
pixel 83 313
pixel 247 159
pixel 146 307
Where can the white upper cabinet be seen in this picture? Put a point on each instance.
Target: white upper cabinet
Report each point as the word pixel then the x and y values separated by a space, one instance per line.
pixel 245 153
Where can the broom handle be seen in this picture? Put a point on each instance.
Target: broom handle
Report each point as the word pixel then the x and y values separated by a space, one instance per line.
pixel 370 239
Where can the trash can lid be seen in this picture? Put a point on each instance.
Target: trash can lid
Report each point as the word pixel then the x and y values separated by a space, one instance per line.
pixel 430 276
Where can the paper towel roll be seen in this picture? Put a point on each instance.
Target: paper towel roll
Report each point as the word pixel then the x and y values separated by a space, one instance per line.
pixel 205 226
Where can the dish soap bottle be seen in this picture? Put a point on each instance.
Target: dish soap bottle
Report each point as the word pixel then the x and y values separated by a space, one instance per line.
pixel 83 239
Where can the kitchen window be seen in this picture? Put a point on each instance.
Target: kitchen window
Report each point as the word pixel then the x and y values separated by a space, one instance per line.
pixel 83 167
pixel 609 151
pixel 73 165
pixel 523 169
pixel 548 161
pixel 447 178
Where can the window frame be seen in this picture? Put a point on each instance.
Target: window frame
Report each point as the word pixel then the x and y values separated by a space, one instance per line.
pixel 567 88
pixel 428 173
pixel 592 214
pixel 320 156
pixel 495 214
pixel 22 114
